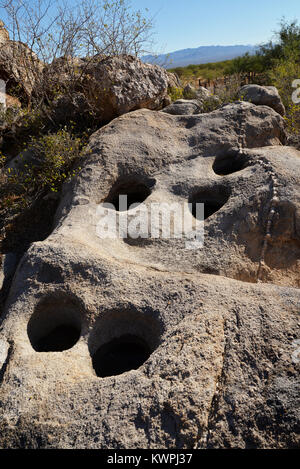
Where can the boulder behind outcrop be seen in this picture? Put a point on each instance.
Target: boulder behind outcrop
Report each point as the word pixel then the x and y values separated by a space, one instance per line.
pixel 264 96
pixel 110 86
pixel 183 107
pixel 19 66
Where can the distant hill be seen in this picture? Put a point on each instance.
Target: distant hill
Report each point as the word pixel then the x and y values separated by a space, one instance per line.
pixel 199 55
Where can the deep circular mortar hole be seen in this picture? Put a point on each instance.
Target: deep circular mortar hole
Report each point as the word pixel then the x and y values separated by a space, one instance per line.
pixel 135 190
pixel 213 198
pixel 230 163
pixel 55 325
pixel 121 354
pixel 122 341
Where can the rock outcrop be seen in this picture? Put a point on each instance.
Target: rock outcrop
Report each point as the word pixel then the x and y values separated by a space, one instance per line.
pixel 141 342
pixel 264 96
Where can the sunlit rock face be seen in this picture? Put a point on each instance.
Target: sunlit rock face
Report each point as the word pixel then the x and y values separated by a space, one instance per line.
pixel 263 96
pixel 18 67
pixel 139 342
pixel 110 86
pixel 4 35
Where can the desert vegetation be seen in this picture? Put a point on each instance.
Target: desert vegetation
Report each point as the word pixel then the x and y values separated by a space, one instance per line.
pixel 208 71
pixel 279 61
pixel 276 63
pixel 47 69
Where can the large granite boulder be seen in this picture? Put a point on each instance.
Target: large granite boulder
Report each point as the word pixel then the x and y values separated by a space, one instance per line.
pixel 264 96
pixel 19 66
pixel 147 342
pixel 111 86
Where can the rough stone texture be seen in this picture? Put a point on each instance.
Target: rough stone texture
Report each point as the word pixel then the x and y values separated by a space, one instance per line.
pixel 202 92
pixel 224 367
pixel 202 99
pixel 4 35
pixel 184 107
pixel 294 140
pixel 263 95
pixel 68 108
pixel 114 85
pixel 173 80
pixel 19 67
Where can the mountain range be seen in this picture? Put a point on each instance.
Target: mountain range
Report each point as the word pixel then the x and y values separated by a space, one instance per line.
pixel 198 55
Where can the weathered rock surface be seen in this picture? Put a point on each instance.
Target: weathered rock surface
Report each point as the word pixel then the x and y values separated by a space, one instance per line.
pixel 199 104
pixel 19 65
pixel 294 140
pixel 184 107
pixel 264 96
pixel 4 35
pixel 113 85
pixel 216 328
pixel 202 93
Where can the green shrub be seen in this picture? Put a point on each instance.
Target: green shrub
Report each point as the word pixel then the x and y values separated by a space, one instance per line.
pixel 55 156
pixel 282 76
pixel 209 71
pixel 175 93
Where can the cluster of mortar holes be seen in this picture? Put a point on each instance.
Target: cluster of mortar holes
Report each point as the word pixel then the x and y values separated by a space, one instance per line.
pixel 55 325
pixel 213 198
pixel 230 163
pixel 122 341
pixel 136 190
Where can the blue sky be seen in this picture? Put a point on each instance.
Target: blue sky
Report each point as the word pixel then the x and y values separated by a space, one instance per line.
pixel 181 24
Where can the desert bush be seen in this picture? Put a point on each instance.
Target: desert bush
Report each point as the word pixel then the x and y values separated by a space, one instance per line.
pixel 282 76
pixel 28 196
pixel 55 156
pixel 208 71
pixel 228 92
pixel 267 57
pixel 224 94
pixel 175 93
pixel 279 63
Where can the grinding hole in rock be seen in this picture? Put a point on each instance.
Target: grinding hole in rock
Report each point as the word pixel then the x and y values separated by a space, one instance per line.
pixel 213 198
pixel 122 341
pixel 55 325
pixel 121 354
pixel 230 163
pixel 135 190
